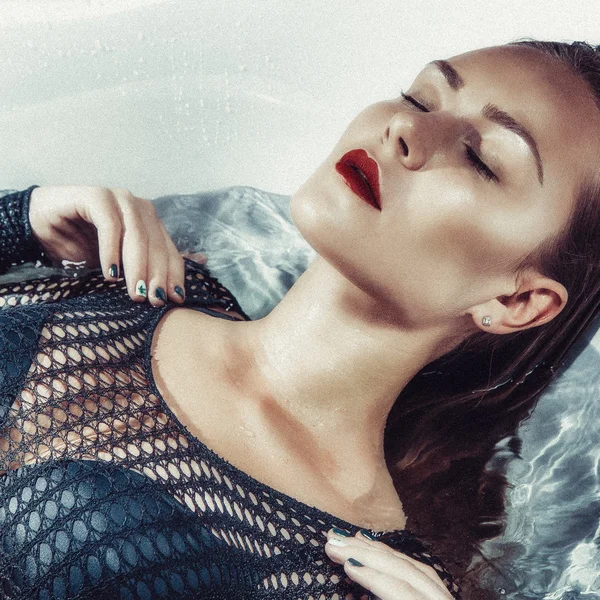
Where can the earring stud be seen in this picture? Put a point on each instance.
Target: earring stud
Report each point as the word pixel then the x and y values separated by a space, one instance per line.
pixel 486 321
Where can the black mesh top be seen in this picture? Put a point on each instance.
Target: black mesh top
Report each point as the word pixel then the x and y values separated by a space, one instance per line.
pixel 103 492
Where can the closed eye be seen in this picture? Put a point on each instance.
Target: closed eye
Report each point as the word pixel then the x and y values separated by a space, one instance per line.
pixel 479 166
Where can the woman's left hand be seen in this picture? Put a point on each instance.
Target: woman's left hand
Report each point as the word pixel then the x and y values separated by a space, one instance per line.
pixel 388 574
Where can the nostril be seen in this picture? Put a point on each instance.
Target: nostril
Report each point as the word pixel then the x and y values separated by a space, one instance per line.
pixel 404 147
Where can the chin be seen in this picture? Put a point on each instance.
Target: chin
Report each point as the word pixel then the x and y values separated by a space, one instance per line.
pixel 306 211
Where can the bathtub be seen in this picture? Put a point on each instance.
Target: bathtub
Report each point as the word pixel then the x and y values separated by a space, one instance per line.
pixel 213 108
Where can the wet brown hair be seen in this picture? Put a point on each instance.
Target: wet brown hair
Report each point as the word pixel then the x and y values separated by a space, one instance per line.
pixel 445 425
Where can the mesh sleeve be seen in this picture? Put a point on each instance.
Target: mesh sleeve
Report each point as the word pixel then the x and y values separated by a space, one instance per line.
pixel 18 245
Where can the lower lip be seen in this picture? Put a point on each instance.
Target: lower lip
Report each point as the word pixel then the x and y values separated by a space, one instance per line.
pixel 356 183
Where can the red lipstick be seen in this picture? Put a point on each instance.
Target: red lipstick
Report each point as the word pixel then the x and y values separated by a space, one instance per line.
pixel 361 174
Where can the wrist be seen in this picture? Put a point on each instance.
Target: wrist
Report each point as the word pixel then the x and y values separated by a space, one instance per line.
pixel 32 212
pixel 33 223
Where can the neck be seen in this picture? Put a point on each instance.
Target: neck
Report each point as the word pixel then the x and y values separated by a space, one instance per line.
pixel 332 358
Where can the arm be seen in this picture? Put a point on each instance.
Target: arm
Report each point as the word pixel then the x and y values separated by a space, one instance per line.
pixel 100 226
pixel 106 228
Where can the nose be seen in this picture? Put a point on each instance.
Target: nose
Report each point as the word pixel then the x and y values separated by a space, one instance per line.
pixel 416 138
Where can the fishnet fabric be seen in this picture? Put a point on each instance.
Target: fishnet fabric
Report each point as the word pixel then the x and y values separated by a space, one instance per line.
pixel 105 494
pixel 17 244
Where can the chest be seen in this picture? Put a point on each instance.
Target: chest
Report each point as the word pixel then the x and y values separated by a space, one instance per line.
pixel 255 435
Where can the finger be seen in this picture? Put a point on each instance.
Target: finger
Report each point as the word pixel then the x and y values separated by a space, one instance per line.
pixel 381 556
pixel 107 219
pixel 361 536
pixel 158 264
pixel 394 568
pixel 198 257
pixel 382 585
pixel 135 255
pixel 175 274
pixel 428 570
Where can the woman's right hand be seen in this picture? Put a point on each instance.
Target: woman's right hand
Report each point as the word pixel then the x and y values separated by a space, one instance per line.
pixel 106 227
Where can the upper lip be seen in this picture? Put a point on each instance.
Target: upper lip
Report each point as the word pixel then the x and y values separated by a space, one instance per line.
pixel 360 160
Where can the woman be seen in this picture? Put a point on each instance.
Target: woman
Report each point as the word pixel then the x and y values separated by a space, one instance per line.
pixel 150 452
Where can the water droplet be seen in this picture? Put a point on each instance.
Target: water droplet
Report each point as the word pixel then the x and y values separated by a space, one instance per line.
pixel 247 431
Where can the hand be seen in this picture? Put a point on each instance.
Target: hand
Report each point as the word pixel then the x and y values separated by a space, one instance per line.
pixel 389 574
pixel 105 227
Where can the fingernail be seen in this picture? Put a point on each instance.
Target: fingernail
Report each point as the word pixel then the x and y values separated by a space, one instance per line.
pixel 342 532
pixel 160 294
pixel 113 271
pixel 178 291
pixel 336 542
pixel 368 535
pixel 355 563
pixel 140 288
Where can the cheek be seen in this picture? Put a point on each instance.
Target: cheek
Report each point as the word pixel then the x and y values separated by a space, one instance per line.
pixel 448 245
pixel 457 222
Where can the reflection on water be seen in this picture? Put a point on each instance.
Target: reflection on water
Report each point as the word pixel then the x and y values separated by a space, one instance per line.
pixel 549 546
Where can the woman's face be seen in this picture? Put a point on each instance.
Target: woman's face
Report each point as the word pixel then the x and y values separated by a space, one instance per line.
pixel 450 233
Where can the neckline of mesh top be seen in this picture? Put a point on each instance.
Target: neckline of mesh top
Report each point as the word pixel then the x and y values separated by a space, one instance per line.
pixel 253 484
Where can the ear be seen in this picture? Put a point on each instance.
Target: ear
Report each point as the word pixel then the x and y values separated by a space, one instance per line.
pixel 537 301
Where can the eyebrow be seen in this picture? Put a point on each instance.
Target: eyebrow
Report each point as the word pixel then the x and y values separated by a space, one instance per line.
pixel 494 114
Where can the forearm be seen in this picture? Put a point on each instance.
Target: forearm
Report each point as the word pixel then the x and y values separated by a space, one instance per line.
pixel 18 245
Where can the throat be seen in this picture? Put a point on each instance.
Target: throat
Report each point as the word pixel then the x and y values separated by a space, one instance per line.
pixel 228 408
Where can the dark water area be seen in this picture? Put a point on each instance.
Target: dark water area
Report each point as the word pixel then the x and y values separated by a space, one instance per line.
pixel 548 544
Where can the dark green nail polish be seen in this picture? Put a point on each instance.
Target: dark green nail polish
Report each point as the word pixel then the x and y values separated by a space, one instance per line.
pixel 160 294
pixel 178 291
pixel 368 535
pixel 341 532
pixel 113 271
pixel 355 563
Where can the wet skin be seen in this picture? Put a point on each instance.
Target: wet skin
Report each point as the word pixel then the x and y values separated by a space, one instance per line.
pixel 392 290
